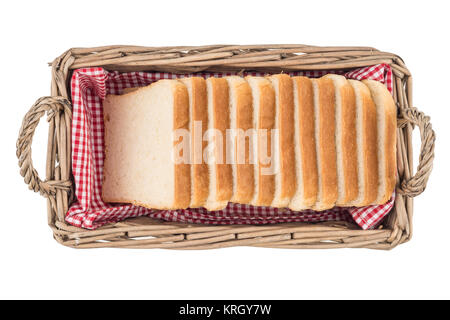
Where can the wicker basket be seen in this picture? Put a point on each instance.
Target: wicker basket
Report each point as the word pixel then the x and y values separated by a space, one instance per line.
pixel 145 232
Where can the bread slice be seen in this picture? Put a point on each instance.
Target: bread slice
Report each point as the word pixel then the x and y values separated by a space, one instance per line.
pixel 198 108
pixel 325 128
pixel 366 145
pixel 263 96
pixel 347 162
pixel 139 166
pixel 220 172
pixel 387 130
pixel 285 180
pixel 241 124
pixel 305 145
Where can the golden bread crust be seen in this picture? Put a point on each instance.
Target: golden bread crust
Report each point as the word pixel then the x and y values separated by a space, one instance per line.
pixel 307 139
pixel 182 170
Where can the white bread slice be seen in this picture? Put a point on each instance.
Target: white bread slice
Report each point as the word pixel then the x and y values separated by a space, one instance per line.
pixel 220 172
pixel 263 96
pixel 241 122
pixel 366 145
pixel 285 180
pixel 139 146
pixel 325 128
pixel 198 109
pixel 387 129
pixel 347 162
pixel 305 145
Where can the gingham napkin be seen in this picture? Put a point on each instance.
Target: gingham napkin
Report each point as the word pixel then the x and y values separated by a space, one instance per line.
pixel 90 86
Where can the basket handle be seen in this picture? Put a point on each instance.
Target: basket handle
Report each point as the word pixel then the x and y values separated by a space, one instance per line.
pixel 52 106
pixel 416 184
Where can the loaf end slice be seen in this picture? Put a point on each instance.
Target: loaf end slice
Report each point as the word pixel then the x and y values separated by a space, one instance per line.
pixel 139 166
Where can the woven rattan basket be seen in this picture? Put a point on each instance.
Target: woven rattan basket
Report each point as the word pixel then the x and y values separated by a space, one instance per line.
pixel 143 232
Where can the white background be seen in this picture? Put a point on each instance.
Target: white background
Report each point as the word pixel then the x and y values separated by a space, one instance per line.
pixel 33 265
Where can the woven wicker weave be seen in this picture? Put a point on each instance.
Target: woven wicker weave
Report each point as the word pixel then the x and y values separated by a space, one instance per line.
pixel 144 232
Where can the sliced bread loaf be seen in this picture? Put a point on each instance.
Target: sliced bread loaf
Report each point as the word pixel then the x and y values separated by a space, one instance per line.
pixel 347 163
pixel 305 145
pixel 263 97
pixel 241 123
pixel 220 172
pixel 198 109
pixel 387 130
pixel 285 181
pixel 325 129
pixel 145 172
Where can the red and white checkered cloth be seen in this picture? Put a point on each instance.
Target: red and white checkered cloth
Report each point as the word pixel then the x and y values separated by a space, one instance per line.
pixel 90 86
